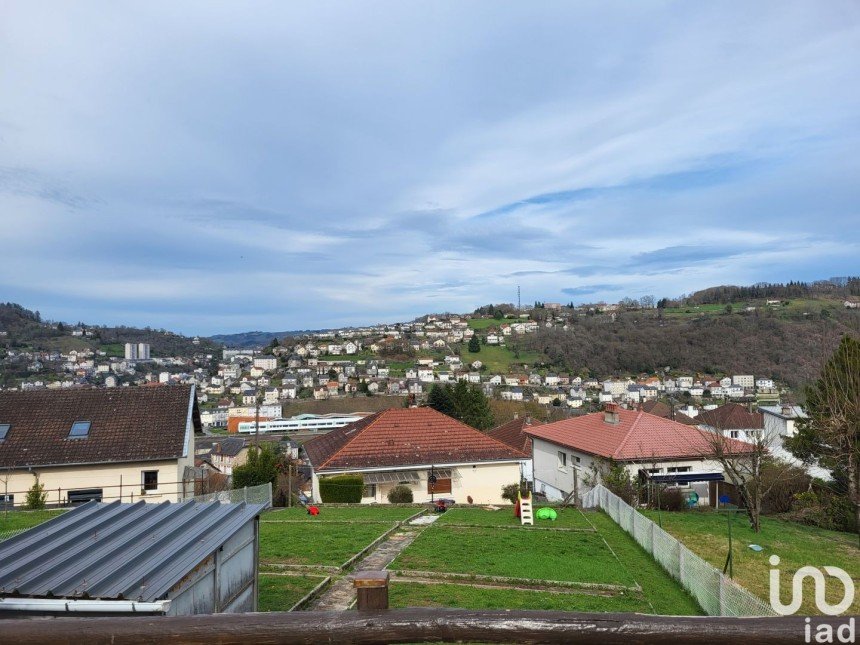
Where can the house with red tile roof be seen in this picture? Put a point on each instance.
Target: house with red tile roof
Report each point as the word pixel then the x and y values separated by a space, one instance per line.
pixel 574 448
pixel 406 445
pixel 513 434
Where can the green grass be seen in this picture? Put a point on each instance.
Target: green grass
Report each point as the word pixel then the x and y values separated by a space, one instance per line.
pixel 500 359
pixel 416 594
pixel 15 520
pixel 329 544
pixel 279 592
pixel 567 518
pixel 387 514
pixel 544 555
pixel 662 591
pixel 706 534
pixel 484 323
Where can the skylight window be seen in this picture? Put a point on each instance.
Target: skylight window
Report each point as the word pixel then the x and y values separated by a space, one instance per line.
pixel 80 429
pixel 4 430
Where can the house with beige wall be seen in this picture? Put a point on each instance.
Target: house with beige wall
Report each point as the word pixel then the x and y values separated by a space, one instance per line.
pixel 407 446
pixel 101 444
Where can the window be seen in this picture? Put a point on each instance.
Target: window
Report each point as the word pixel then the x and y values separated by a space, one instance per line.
pixel 678 469
pixel 369 491
pixel 734 434
pixel 80 429
pixel 4 430
pixel 562 459
pixel 85 495
pixel 6 501
pixel 149 479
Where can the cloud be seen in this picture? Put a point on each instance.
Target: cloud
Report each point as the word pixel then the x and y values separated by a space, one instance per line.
pixel 275 165
pixel 591 289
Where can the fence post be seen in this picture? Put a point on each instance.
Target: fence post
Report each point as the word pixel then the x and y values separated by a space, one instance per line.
pixel 372 590
pixel 653 546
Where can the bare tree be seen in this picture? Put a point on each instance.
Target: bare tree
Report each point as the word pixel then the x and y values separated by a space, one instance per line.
pixel 742 462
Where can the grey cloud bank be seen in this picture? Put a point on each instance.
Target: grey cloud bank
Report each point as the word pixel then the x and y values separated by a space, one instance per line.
pixel 272 166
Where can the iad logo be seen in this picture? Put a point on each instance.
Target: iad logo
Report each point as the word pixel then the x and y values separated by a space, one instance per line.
pixel 820 585
pixel 824 633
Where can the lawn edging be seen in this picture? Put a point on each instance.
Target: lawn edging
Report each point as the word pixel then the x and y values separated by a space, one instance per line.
pixel 312 594
pixel 452 576
pixel 349 563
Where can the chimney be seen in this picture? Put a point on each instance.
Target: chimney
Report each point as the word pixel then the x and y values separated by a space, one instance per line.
pixel 610 413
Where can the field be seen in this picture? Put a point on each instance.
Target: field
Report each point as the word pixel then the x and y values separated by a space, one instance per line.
pixel 562 561
pixel 344 514
pixel 706 534
pixel 499 359
pixel 470 558
pixel 567 518
pixel 322 543
pixel 472 596
pixel 279 592
pixel 484 323
pixel 16 520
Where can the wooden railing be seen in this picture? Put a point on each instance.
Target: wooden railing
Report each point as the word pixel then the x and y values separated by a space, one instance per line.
pixel 412 626
pixel 373 623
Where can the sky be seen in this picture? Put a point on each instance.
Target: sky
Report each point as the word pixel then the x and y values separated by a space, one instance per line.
pixel 213 167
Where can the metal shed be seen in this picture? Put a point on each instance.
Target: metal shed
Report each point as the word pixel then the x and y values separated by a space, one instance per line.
pixel 106 559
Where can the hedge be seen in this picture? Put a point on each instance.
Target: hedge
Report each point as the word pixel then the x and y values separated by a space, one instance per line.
pixel 344 489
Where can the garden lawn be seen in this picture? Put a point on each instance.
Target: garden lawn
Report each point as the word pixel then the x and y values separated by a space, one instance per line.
pixel 567 518
pixel 15 520
pixel 279 592
pixel 417 594
pixel 665 595
pixel 363 513
pixel 323 543
pixel 544 555
pixel 706 534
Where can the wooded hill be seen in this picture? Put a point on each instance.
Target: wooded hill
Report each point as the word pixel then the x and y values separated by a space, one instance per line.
pixel 25 330
pixel 787 344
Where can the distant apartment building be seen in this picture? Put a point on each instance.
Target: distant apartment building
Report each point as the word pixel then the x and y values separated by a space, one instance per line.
pixel 137 351
pixel 267 363
pixel 744 380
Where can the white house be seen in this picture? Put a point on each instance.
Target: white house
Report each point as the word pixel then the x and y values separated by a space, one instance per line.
pixel 566 453
pixel 433 454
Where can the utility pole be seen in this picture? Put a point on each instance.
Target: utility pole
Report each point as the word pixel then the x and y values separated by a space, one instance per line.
pixel 257 421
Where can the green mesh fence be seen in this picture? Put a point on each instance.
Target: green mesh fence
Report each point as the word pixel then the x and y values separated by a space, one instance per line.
pixel 717 594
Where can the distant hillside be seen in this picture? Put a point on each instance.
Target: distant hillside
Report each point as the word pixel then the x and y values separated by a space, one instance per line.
pixel 788 342
pixel 253 339
pixel 25 330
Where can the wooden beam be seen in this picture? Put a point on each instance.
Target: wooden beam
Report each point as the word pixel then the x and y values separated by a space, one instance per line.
pixel 413 625
pixel 371 589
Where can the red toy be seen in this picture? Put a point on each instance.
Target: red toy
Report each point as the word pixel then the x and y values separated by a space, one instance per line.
pixel 313 510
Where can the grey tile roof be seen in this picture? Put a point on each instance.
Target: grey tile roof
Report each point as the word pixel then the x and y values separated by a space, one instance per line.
pixel 117 551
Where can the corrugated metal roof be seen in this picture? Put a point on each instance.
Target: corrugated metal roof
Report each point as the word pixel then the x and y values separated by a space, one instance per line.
pixel 121 551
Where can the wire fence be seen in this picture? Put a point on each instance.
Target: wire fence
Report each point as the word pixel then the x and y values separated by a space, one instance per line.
pixel 261 494
pixel 717 594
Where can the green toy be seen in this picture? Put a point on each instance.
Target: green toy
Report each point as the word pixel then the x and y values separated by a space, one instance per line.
pixel 546 514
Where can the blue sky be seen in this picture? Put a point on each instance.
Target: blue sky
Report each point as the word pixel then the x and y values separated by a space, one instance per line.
pixel 217 167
